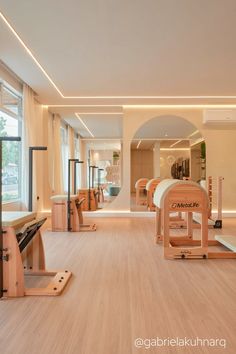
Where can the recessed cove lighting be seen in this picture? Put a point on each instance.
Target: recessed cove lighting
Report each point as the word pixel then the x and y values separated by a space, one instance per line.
pixel 82 122
pixel 172 149
pixel 139 144
pixel 177 142
pixel 102 97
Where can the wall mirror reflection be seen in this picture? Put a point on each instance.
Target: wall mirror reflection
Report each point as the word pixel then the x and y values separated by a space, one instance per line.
pixel 164 147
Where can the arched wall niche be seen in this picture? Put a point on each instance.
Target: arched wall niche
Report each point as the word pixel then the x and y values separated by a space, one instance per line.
pixel 133 120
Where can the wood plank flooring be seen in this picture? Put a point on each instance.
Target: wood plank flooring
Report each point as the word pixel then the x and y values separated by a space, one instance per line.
pixel 123 289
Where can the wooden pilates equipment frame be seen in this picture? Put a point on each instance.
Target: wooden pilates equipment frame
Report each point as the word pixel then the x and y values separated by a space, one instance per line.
pixel 90 197
pixel 180 222
pixel 188 197
pixel 59 214
pixel 23 255
pixel 140 186
pixel 150 188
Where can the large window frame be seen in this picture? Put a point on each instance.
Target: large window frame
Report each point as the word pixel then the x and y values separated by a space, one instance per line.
pixel 14 112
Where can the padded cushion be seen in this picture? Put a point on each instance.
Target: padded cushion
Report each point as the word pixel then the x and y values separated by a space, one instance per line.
pixel 153 181
pixel 14 218
pixel 228 241
pixel 141 181
pixel 166 185
pixel 57 198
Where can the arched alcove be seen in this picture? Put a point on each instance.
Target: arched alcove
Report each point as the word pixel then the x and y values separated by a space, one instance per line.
pixel 165 146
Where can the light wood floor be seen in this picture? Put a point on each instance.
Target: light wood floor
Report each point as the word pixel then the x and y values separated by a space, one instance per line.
pixel 122 289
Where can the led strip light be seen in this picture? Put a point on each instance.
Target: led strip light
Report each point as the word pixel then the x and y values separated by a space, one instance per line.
pixel 82 122
pixel 98 97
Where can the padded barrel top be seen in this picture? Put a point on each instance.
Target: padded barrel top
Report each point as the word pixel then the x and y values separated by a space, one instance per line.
pixel 142 182
pixel 167 184
pixel 17 218
pixel 57 198
pixel 153 181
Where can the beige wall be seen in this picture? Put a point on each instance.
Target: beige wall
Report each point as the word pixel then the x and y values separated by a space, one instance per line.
pixel 141 166
pixel 220 147
pixel 195 163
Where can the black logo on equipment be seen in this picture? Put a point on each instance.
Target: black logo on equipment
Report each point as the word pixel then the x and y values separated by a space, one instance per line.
pixel 184 205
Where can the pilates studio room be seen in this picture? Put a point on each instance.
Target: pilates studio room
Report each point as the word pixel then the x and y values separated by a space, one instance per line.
pixel 117 176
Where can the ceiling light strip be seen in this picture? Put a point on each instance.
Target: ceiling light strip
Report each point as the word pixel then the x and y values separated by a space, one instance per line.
pixel 138 144
pixel 174 149
pixel 177 142
pixel 100 113
pixel 194 133
pixel 82 122
pixel 198 141
pixel 98 97
pixel 30 53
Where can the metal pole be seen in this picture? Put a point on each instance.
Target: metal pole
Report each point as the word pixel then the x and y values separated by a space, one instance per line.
pixel 68 200
pixel 68 195
pixel 5 138
pixel 89 204
pixel 75 175
pixel 31 149
pixel 30 194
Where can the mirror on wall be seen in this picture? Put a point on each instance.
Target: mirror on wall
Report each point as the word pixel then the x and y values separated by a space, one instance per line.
pixel 164 147
pixel 103 170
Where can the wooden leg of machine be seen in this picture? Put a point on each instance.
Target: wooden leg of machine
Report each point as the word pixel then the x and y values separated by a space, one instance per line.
pixel 13 268
pixel 82 226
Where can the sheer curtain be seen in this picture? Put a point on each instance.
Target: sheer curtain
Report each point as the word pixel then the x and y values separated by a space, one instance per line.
pixel 71 142
pixel 57 181
pixel 29 138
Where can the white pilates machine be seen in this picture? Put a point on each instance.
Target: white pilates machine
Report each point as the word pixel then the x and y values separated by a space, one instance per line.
pixel 213 187
pixel 150 188
pixel 188 197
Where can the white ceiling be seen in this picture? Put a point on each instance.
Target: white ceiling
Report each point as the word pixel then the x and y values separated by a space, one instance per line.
pixel 100 125
pixel 149 144
pixel 169 127
pixel 122 48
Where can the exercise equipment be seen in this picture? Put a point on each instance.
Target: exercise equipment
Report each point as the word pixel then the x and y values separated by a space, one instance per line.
pixel 31 149
pixel 213 186
pixel 94 194
pixel 23 256
pixel 101 198
pixel 67 209
pixel 214 190
pixel 140 187
pixel 150 188
pixel 227 241
pixel 2 139
pixel 188 197
pixel 75 174
pixel 90 194
pixel 60 218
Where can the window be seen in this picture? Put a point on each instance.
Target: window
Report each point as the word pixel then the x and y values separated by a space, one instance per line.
pixel 10 125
